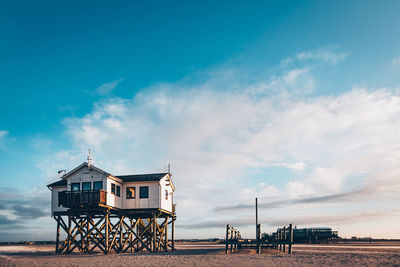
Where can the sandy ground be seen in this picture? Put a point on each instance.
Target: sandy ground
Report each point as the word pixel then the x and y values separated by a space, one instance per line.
pixel 209 254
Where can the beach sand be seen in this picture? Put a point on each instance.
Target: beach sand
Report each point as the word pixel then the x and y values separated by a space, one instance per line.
pixel 210 254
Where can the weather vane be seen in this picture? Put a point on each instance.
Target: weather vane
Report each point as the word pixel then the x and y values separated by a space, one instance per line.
pixel 89 158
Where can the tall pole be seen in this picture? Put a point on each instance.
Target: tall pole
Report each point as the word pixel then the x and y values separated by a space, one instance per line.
pixel 290 238
pixel 257 245
pixel 256 215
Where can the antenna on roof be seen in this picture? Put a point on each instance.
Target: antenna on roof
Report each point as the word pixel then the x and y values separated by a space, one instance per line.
pixel 169 168
pixel 89 158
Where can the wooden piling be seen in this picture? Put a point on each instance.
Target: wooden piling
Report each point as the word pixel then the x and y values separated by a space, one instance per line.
pixel 154 233
pixel 226 239
pixel 284 239
pixel 58 233
pixel 280 239
pixel 290 238
pixel 130 237
pixel 107 232
pixel 173 233
pixel 69 233
pixel 166 234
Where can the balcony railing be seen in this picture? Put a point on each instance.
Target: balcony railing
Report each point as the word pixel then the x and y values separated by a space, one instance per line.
pixel 82 199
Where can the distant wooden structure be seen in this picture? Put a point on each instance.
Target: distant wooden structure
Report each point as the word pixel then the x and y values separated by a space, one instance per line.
pixel 97 210
pixel 315 235
pixel 280 239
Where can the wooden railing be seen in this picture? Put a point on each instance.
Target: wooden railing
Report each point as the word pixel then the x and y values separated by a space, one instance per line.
pixel 81 199
pixel 232 239
pixel 281 239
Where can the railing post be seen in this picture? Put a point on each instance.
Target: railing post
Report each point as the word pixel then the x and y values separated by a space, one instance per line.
pixel 226 239
pixel 284 238
pixel 236 240
pixel 290 238
pixel 231 237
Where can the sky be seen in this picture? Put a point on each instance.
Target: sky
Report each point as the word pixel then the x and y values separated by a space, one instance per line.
pixel 294 102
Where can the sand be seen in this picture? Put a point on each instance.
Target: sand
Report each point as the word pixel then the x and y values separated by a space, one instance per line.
pixel 209 254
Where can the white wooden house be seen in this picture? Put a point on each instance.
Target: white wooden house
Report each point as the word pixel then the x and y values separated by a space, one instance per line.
pixel 87 186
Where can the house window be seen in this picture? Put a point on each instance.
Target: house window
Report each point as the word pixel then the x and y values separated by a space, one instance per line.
pixel 144 192
pixel 130 192
pixel 166 194
pixel 118 191
pixel 113 189
pixel 98 185
pixel 75 186
pixel 86 186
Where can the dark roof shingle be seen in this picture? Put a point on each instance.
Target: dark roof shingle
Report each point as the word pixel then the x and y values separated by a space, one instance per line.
pixel 58 183
pixel 142 177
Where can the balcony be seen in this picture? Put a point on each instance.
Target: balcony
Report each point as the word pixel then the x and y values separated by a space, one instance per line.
pixel 82 199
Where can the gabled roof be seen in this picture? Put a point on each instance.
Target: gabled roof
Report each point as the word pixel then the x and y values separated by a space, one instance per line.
pixel 85 164
pixel 58 183
pixel 142 177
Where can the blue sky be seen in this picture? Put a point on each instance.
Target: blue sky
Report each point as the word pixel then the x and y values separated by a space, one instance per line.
pixel 281 99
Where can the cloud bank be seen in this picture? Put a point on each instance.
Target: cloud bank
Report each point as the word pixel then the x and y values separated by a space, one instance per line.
pixel 225 135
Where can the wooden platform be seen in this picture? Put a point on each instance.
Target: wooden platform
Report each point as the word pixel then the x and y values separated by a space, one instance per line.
pixel 110 229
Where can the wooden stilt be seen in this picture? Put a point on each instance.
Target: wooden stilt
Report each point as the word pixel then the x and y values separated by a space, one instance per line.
pixel 138 234
pixel 173 233
pixel 107 232
pixel 166 233
pixel 131 235
pixel 120 233
pixel 154 233
pixel 58 233
pixel 69 233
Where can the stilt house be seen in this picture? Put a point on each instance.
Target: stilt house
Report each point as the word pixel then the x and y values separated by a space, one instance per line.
pixel 98 210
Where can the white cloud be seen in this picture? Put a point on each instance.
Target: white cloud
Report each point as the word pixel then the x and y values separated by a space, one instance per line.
pixel 297 166
pixel 326 54
pixel 262 190
pixel 3 133
pixel 40 143
pixel 107 88
pixel 396 61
